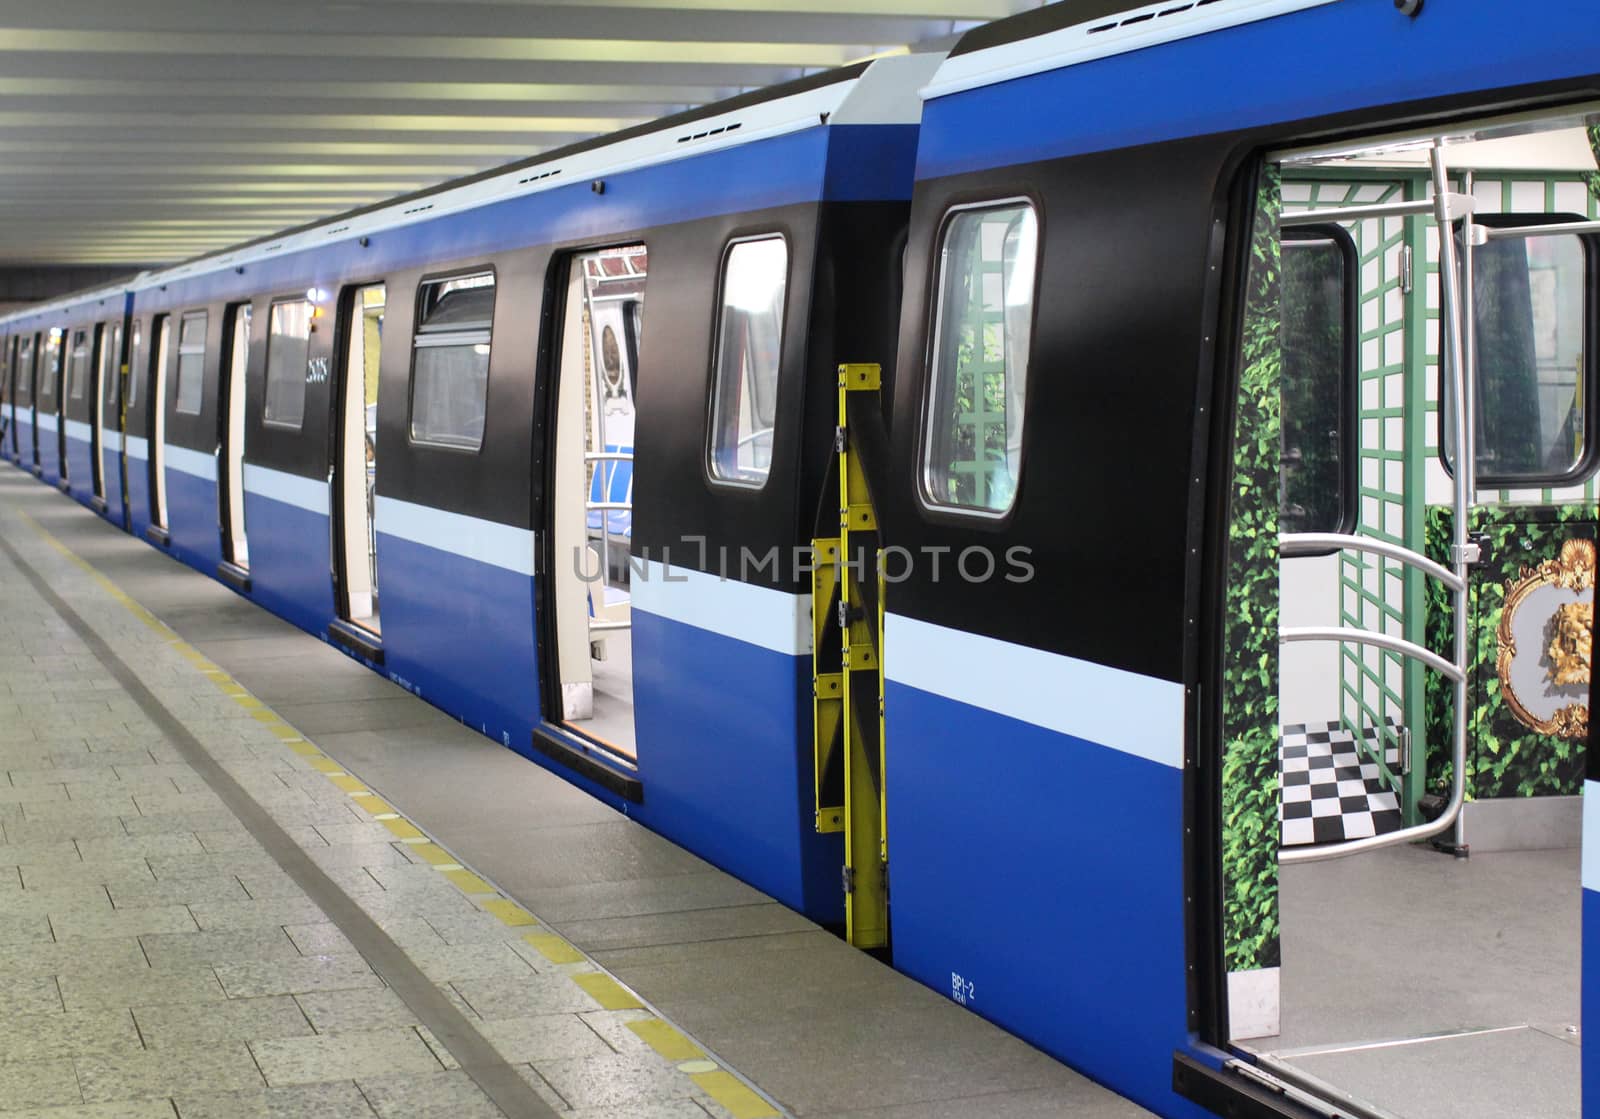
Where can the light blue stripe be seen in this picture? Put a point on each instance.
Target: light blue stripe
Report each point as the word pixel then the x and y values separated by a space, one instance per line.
pixel 138 447
pixel 309 494
pixel 761 616
pixel 1125 711
pixel 45 420
pixel 197 464
pixel 112 440
pixel 77 429
pixel 470 537
pixel 1591 835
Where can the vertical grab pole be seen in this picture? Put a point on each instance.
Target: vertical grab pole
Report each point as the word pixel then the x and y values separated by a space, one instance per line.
pixel 1469 410
pixel 1462 552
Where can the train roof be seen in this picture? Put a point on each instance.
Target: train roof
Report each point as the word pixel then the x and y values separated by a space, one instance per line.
pixel 1077 31
pixel 881 91
pixel 111 295
pixel 875 91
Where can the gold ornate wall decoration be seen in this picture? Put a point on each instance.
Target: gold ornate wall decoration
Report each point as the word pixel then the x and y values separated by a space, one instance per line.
pixel 1544 697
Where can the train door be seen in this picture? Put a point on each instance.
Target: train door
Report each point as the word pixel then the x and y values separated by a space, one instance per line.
pixel 96 391
pixel 27 419
pixel 76 404
pixel 589 509
pixel 108 412
pixel 158 423
pixel 356 463
pixel 230 459
pixel 1409 603
pixel 8 396
pixel 52 452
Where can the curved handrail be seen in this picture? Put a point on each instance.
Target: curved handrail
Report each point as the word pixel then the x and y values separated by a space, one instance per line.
pixel 1292 544
pixel 1447 209
pixel 1368 637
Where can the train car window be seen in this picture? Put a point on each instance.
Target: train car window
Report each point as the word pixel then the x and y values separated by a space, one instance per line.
pixel 111 370
pixel 1532 306
pixel 1318 334
pixel 749 337
pixel 288 345
pixel 983 324
pixel 191 363
pixel 25 347
pixel 135 340
pixel 78 365
pixel 50 375
pixel 450 361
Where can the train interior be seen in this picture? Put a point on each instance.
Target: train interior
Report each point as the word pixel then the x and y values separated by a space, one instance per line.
pixel 48 452
pixel 1438 975
pixel 104 416
pixel 158 430
pixel 591 512
pixel 230 483
pixel 358 458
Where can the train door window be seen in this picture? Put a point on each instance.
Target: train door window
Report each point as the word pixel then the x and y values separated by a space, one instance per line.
pixel 191 363
pixel 591 513
pixel 1532 298
pixel 25 350
pixel 236 548
pixel 450 361
pixel 51 371
pixel 158 413
pixel 288 344
pixel 1318 335
pixel 78 365
pixel 749 337
pixel 358 455
pixel 135 340
pixel 983 324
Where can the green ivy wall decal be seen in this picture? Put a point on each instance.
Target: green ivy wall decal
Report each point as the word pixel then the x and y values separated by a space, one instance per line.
pixel 1504 757
pixel 1250 682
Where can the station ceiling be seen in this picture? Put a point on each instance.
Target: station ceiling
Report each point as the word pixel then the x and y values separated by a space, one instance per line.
pixel 138 131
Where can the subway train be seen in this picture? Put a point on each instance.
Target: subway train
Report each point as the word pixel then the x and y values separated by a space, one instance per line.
pixel 888 486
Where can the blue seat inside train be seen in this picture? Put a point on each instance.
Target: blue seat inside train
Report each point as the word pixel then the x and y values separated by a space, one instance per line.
pixel 613 481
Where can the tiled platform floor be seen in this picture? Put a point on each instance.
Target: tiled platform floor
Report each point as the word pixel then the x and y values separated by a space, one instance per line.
pixel 160 956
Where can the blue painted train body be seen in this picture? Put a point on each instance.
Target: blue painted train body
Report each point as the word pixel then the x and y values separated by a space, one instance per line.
pixel 1066 918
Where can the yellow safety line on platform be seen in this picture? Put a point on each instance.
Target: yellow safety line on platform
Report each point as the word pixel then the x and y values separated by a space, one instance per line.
pixel 720 1083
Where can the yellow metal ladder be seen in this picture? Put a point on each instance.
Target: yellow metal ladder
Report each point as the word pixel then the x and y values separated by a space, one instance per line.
pixel 847 683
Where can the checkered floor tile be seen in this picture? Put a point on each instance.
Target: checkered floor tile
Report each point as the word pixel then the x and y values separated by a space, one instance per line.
pixel 1329 793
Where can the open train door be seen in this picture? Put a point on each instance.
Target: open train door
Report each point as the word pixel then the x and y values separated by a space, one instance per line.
pixel 356 465
pixel 235 567
pixel 587 653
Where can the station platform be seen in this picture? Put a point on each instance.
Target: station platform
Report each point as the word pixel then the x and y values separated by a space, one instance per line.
pixel 244 876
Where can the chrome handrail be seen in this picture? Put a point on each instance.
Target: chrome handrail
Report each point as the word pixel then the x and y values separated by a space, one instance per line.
pixel 1356 636
pixel 1456 206
pixel 1497 232
pixel 1446 209
pixel 1309 543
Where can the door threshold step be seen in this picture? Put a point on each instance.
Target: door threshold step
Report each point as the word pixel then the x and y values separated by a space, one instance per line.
pixel 357 640
pixel 235 576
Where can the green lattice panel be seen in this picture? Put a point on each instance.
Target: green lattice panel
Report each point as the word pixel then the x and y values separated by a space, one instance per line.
pixel 1371 589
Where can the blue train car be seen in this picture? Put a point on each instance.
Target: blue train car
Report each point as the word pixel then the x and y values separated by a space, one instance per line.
pixel 64 366
pixel 1107 733
pixel 528 584
pixel 1131 335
